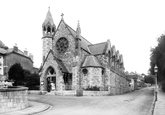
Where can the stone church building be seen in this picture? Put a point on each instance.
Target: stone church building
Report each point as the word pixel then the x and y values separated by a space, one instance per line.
pixel 72 63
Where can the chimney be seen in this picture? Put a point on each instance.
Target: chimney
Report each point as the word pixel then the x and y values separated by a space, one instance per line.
pixel 15 47
pixel 26 52
pixel 31 56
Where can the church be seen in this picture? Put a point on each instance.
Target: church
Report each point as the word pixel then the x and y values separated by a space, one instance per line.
pixel 72 63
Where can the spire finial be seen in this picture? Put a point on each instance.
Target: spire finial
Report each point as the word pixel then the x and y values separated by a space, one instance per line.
pixel 78 29
pixel 62 15
pixel 49 8
pixel 15 44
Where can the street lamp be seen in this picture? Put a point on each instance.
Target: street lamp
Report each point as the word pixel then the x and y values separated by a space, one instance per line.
pixel 156 82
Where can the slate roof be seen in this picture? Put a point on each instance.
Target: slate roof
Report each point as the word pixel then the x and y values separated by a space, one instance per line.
pixel 84 42
pixel 91 61
pixel 3 51
pixel 98 48
pixel 10 50
pixel 48 19
pixel 61 64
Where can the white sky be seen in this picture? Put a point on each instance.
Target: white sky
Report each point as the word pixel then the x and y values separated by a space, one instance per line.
pixel 131 25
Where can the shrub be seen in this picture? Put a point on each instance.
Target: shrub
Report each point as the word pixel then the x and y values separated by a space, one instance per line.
pixel 32 81
pixel 92 88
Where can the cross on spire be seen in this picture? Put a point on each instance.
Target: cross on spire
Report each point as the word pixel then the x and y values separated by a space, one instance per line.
pixel 62 15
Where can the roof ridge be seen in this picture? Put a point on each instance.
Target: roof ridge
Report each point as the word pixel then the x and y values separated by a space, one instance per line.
pixel 91 61
pixel 97 44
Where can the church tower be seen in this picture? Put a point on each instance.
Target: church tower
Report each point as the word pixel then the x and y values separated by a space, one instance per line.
pixel 48 29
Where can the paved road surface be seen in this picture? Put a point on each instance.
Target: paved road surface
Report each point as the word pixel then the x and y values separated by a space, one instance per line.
pixel 134 103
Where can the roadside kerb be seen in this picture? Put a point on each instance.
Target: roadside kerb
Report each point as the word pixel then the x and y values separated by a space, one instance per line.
pixel 151 111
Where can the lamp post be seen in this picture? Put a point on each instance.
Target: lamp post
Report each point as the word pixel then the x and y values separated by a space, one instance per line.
pixel 156 82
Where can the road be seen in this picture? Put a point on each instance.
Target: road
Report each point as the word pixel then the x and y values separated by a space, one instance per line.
pixel 133 103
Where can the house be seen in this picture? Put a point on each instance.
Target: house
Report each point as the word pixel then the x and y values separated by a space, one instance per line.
pixel 10 56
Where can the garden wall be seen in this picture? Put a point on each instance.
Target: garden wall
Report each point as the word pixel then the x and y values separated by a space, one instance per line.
pixel 12 99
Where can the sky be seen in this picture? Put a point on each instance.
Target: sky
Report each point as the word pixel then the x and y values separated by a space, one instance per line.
pixel 133 26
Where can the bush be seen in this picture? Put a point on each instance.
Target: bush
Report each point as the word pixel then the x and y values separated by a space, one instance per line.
pixel 32 81
pixel 22 77
pixel 163 85
pixel 93 88
pixel 149 79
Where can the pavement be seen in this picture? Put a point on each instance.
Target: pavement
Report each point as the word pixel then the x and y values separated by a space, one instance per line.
pixel 160 103
pixel 33 108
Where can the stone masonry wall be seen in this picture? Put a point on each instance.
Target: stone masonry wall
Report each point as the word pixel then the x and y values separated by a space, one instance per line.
pixel 59 76
pixel 68 56
pixel 118 83
pixel 13 99
pixel 92 78
pixel 47 45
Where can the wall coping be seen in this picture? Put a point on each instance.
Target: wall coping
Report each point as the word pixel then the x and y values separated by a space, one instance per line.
pixel 13 88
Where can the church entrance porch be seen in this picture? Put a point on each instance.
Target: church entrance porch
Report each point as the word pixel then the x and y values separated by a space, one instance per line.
pixel 67 77
pixel 51 79
pixel 51 83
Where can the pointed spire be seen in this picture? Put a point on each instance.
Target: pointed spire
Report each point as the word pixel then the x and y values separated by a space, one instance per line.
pixel 78 31
pixel 49 18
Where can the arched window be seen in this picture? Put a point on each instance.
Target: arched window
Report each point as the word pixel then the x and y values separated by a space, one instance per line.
pixel 44 28
pixel 51 71
pixel 48 29
pixel 53 29
pixel 85 71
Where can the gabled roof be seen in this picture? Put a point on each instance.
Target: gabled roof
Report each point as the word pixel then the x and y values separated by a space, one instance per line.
pixel 91 61
pixel 84 42
pixel 117 55
pixel 113 50
pixel 3 51
pixel 59 62
pixel 99 48
pixel 11 50
pixel 121 59
pixel 48 19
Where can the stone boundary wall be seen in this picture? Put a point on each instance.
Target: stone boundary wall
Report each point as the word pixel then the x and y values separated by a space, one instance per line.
pixel 12 99
pixel 119 83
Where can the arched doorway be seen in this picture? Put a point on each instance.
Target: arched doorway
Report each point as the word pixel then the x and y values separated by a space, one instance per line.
pixel 51 79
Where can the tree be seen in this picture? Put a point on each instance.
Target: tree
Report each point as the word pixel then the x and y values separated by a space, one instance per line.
pixel 149 79
pixel 158 58
pixel 16 73
pixel 32 80
pixel 23 77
